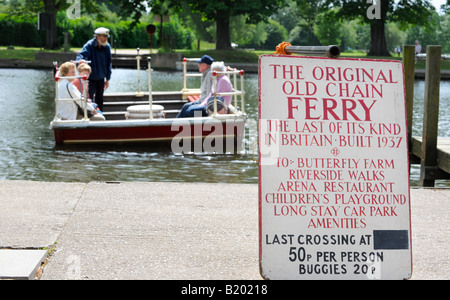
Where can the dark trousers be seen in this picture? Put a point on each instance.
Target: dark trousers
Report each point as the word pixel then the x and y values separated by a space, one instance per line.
pixel 188 110
pixel 96 88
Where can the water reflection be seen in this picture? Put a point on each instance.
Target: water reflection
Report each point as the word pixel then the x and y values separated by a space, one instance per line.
pixel 444 108
pixel 28 151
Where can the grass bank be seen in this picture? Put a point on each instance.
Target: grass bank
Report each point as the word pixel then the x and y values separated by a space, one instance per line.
pixel 18 53
pixel 23 53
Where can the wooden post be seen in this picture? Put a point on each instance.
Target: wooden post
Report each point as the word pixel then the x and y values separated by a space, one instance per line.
pixel 428 164
pixel 66 42
pixel 408 64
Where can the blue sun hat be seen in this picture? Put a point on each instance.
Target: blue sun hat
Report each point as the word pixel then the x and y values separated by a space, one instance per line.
pixel 206 59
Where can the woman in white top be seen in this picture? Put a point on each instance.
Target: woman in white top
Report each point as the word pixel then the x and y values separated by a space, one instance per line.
pixel 68 110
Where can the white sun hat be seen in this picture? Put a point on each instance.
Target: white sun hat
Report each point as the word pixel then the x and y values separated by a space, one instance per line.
pixel 102 31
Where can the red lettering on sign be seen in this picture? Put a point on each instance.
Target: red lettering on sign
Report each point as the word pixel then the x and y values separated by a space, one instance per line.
pixel 327 108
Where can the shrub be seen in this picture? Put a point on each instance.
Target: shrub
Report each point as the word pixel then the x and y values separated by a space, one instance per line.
pixel 18 31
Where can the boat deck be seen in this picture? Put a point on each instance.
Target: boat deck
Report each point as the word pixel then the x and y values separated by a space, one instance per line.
pixel 115 104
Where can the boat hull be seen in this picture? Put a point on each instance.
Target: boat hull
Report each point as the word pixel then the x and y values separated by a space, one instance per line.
pixel 181 133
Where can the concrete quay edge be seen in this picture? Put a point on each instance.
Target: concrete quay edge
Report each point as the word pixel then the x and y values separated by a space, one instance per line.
pixel 165 230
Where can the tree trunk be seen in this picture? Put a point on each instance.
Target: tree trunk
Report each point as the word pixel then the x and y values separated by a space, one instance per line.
pixel 378 45
pixel 223 41
pixel 378 40
pixel 51 41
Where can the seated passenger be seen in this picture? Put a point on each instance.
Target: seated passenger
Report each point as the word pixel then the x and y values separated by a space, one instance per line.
pixel 69 110
pixel 204 66
pixel 223 85
pixel 84 70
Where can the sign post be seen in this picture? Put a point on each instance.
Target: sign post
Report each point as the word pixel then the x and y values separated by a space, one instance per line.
pixel 334 176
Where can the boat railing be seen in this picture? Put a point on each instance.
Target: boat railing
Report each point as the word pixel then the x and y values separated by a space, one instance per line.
pixel 150 88
pixel 186 91
pixel 83 97
pixel 138 66
pixel 229 71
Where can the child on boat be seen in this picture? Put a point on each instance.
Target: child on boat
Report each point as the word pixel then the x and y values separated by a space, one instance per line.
pixel 84 70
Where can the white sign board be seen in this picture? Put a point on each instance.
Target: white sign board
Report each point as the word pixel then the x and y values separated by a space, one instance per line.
pixel 334 174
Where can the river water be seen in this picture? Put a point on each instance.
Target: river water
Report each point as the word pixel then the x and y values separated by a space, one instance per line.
pixel 28 152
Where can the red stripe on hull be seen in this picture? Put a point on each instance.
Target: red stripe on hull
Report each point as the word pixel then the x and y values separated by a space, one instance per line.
pixel 146 133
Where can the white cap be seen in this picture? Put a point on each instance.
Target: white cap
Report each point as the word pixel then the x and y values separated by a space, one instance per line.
pixel 102 30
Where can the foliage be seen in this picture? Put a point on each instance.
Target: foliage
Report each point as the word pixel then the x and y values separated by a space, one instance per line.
pixel 219 11
pixel 247 35
pixel 254 10
pixel 437 35
pixel 403 12
pixel 228 56
pixel 22 31
pixel 18 30
pixel 263 35
pixel 300 22
pixel 328 28
pixel 275 34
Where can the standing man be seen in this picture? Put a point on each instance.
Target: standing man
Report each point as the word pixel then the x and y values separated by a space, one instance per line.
pixel 98 51
pixel 418 47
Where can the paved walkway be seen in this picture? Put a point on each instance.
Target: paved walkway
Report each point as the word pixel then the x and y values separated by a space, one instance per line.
pixel 171 230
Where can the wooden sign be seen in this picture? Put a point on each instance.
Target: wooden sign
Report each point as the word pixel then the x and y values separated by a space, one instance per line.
pixel 334 175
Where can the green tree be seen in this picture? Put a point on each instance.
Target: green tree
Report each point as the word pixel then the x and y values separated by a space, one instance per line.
pixel 446 7
pixel 310 11
pixel 195 22
pixel 403 12
pixel 328 29
pixel 219 11
pixel 288 15
pixel 51 8
pixel 445 32
pixel 276 34
pixel 300 18
pixel 247 35
pixel 438 34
